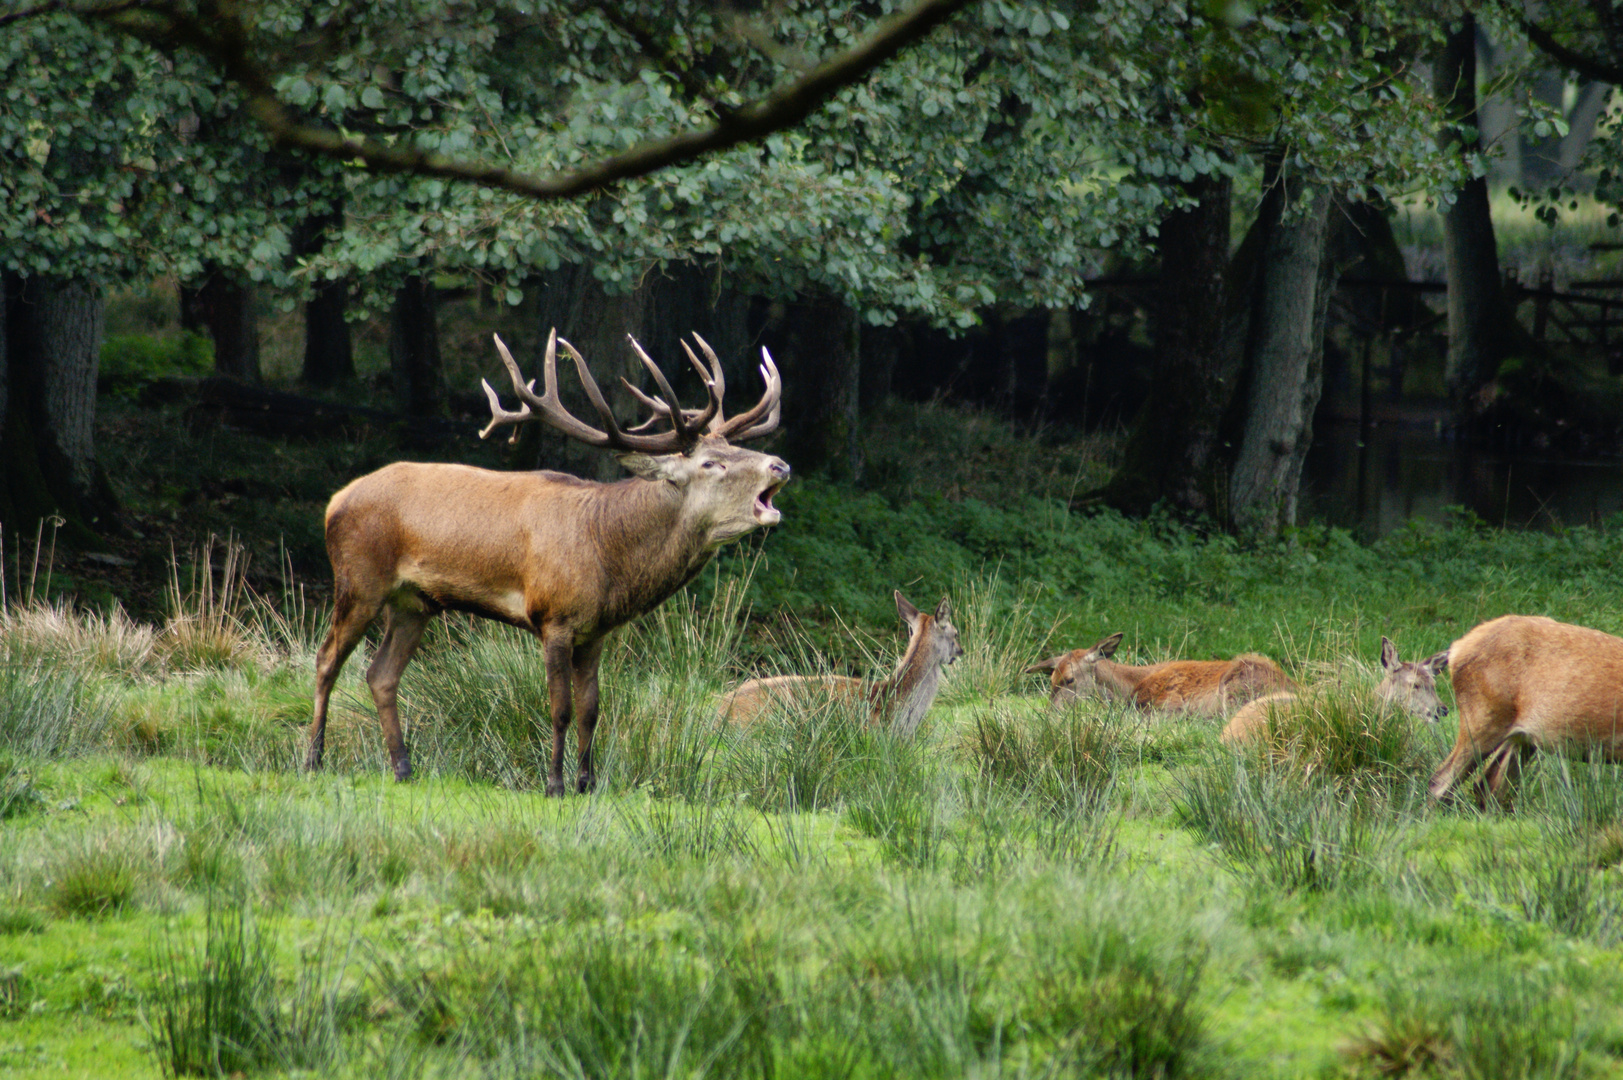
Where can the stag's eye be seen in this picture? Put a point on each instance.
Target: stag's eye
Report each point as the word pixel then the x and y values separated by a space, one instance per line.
pixel 715 465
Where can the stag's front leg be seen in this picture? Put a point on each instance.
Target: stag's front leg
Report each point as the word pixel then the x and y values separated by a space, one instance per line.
pixel 403 629
pixel 558 649
pixel 585 688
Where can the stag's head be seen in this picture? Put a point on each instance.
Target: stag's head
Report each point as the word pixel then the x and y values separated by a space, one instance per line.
pixel 1412 685
pixel 1076 674
pixel 726 490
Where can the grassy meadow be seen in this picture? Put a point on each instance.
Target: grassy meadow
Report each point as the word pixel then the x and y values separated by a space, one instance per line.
pixel 1012 893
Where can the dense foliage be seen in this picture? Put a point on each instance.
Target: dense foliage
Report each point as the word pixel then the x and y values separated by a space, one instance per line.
pixel 991 164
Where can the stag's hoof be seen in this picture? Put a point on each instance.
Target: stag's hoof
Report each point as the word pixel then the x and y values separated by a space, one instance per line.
pixel 312 760
pixel 586 783
pixel 402 770
pixel 555 787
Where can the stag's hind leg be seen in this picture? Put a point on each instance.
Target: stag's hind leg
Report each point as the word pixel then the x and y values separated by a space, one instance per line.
pixel 584 686
pixel 350 618
pixel 403 629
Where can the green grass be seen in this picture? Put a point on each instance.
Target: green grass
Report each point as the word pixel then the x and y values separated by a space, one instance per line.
pixel 1017 890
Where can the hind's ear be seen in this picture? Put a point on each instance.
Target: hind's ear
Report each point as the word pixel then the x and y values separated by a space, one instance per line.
pixel 1105 649
pixel 909 613
pixel 1389 654
pixel 1436 664
pixel 1046 665
pixel 943 611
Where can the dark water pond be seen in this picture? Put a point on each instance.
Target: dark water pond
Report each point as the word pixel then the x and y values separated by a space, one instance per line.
pixel 1411 469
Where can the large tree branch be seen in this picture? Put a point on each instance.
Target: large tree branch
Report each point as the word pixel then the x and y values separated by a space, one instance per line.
pixel 224 41
pixel 1588 66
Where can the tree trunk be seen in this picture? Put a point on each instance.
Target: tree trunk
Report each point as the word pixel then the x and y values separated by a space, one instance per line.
pixel 329 358
pixel 1285 357
pixel 414 347
pixel 818 347
pixel 880 347
pixel 225 308
pixel 573 302
pixel 53 336
pixel 1173 454
pixel 1479 330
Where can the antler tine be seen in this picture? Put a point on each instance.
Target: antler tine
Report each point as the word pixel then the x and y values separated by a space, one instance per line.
pixel 744 425
pixel 659 409
pixel 499 415
pixel 549 407
pixel 686 423
pixel 714 379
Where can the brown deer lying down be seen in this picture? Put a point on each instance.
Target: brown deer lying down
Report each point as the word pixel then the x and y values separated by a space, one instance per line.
pixel 564 558
pixel 899 701
pixel 1411 685
pixel 1202 687
pixel 1524 683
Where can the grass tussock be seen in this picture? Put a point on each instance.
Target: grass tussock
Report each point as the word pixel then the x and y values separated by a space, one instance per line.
pixel 99 876
pixel 1347 733
pixel 1058 759
pixel 219 1008
pixel 1285 830
pixel 1481 1017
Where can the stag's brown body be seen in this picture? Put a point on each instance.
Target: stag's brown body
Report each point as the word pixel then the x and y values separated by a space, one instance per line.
pixel 1524 683
pixel 567 559
pixel 898 702
pixel 1200 687
pixel 1410 685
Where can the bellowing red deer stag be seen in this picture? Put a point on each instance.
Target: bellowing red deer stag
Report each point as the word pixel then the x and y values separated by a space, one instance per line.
pixel 1201 687
pixel 1409 684
pixel 567 559
pixel 899 701
pixel 1524 683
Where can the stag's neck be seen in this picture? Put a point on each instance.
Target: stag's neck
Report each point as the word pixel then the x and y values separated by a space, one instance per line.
pixel 906 696
pixel 652 545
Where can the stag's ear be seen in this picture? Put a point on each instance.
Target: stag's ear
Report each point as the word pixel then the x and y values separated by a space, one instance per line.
pixel 1436 664
pixel 1389 654
pixel 909 613
pixel 1046 665
pixel 657 466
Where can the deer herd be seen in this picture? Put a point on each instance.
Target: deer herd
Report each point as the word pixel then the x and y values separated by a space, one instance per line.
pixel 571 560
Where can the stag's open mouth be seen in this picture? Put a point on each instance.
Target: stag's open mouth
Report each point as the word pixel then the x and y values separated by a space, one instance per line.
pixel 765 512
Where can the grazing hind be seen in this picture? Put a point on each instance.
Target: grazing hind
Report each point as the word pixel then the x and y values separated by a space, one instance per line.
pixel 899 701
pixel 1524 683
pixel 1200 687
pixel 1410 685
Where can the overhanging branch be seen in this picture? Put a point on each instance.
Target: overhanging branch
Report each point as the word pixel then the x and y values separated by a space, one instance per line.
pixel 1588 66
pixel 224 41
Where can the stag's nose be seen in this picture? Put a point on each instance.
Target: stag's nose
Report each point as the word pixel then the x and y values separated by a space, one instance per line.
pixel 780 469
pixel 1442 711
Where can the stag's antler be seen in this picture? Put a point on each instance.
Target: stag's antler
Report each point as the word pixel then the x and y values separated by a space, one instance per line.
pixel 739 428
pixel 687 426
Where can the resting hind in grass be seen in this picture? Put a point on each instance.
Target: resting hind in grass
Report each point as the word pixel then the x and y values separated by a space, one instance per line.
pixel 899 701
pixel 1198 687
pixel 1410 685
